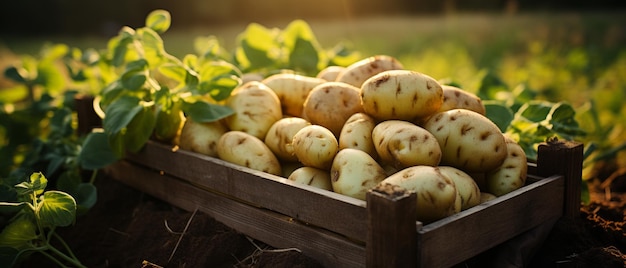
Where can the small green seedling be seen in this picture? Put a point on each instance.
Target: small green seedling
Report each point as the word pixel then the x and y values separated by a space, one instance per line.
pixel 32 228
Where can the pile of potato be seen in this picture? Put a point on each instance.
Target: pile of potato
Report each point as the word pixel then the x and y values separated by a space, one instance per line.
pixel 352 128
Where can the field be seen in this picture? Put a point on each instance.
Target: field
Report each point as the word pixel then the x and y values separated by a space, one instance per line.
pixel 577 58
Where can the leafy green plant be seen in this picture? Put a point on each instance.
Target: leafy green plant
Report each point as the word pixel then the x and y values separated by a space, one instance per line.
pixel 32 229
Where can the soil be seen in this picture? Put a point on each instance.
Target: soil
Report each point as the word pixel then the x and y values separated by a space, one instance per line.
pixel 127 228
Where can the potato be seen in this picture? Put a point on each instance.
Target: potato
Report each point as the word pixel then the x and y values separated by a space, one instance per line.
pixel 331 104
pixel 330 73
pixel 289 167
pixel 201 137
pixel 465 185
pixel 280 136
pixel 248 77
pixel 403 144
pixel 436 193
pixel 312 176
pixel 244 149
pixel 401 94
pixel 469 141
pixel 315 146
pixel 511 175
pixel 456 98
pixel 484 197
pixel 358 72
pixel 256 109
pixel 292 90
pixel 356 133
pixel 355 172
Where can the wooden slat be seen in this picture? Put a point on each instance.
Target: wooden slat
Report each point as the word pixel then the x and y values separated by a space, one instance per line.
pixel 274 229
pixel 391 241
pixel 564 158
pixel 337 213
pixel 459 237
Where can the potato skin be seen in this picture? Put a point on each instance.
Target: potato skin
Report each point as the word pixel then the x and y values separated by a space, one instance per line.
pixel 403 144
pixel 246 150
pixel 356 133
pixel 456 98
pixel 469 141
pixel 331 104
pixel 256 108
pixel 201 137
pixel 355 172
pixel 469 193
pixel 402 95
pixel 280 136
pixel 511 175
pixel 356 73
pixel 315 146
pixel 312 176
pixel 436 193
pixel 330 73
pixel 292 90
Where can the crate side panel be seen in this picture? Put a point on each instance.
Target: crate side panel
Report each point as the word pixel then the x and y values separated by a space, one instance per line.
pixel 332 211
pixel 459 237
pixel 277 230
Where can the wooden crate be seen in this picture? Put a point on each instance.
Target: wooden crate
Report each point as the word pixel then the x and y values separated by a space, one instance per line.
pixel 340 231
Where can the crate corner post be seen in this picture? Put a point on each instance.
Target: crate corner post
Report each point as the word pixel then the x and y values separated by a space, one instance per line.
pixel 391 218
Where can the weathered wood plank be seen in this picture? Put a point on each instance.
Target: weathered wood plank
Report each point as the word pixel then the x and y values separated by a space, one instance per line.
pixel 274 229
pixel 564 158
pixel 337 213
pixel 391 240
pixel 459 237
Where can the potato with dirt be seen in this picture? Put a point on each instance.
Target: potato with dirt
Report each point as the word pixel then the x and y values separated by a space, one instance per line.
pixel 401 95
pixel 312 176
pixel 436 193
pixel 292 89
pixel 469 193
pixel 315 146
pixel 201 137
pixel 469 141
pixel 355 172
pixel 244 149
pixel 457 98
pixel 403 144
pixel 356 133
pixel 511 174
pixel 280 136
pixel 256 109
pixel 355 74
pixel 331 104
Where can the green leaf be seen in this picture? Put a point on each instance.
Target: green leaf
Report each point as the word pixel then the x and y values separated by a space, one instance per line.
pixel 38 183
pixel 153 48
pixel 535 111
pixel 303 48
pixel 255 45
pixel 14 74
pixel 119 114
pixel 563 120
pixel 159 20
pixel 8 256
pixel 201 111
pixel 96 152
pixel 498 113
pixel 86 197
pixel 140 129
pixel 13 94
pixel 57 209
pixel 18 233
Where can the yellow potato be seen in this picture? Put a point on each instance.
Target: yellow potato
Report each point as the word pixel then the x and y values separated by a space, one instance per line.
pixel 246 150
pixel 511 175
pixel 469 193
pixel 330 73
pixel 355 172
pixel 292 90
pixel 256 109
pixel 403 144
pixel 456 98
pixel 201 137
pixel 280 136
pixel 402 95
pixel 331 104
pixel 469 141
pixel 356 133
pixel 436 193
pixel 315 146
pixel 358 72
pixel 312 176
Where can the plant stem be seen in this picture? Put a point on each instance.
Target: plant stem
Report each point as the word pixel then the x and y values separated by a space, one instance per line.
pixel 93 176
pixel 65 245
pixel 73 261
